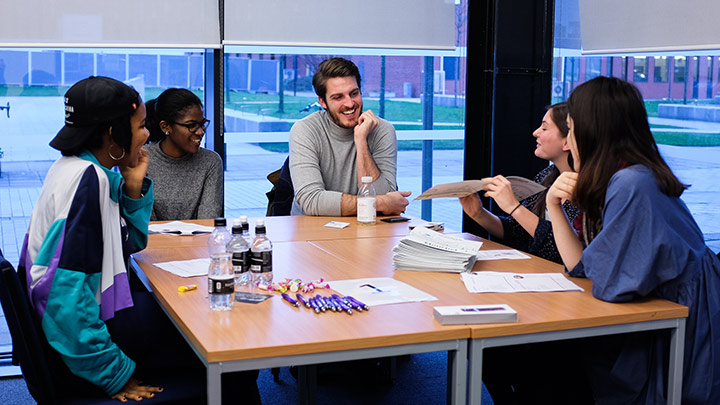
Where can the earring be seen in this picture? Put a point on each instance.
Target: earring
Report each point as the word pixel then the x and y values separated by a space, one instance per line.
pixel 113 157
pixel 167 133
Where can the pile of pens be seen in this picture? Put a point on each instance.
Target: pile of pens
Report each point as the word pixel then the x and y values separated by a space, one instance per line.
pixel 332 303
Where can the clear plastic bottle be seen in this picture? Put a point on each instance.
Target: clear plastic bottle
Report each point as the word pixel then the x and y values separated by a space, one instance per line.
pixel 246 230
pixel 221 282
pixel 261 253
pixel 366 199
pixel 240 256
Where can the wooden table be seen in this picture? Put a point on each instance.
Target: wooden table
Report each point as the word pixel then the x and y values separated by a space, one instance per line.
pixel 275 334
pixel 541 316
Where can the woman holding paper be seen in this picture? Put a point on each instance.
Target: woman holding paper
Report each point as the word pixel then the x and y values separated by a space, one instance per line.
pixel 639 240
pixel 527 226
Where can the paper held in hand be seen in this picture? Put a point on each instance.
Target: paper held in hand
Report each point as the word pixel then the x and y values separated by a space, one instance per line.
pixel 522 188
pixel 426 250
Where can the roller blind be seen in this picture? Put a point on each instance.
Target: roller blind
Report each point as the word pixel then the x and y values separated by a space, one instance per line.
pixel 401 24
pixel 106 23
pixel 628 26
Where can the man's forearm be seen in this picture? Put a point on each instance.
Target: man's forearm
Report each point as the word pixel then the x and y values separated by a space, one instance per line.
pixel 348 205
pixel 365 164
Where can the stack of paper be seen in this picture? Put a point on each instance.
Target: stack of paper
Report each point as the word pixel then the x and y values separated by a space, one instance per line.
pixel 426 250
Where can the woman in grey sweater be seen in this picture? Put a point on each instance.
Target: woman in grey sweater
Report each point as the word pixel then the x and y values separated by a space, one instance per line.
pixel 188 179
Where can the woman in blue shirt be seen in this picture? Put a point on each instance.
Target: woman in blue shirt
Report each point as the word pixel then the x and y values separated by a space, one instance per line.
pixel 638 240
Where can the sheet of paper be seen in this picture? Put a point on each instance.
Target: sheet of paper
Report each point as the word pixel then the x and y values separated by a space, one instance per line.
pixel 522 188
pixel 186 268
pixel 492 281
pixel 337 224
pixel 512 254
pixel 380 290
pixel 179 228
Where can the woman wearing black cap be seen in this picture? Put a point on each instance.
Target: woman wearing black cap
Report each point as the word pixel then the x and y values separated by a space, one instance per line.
pixel 86 222
pixel 188 179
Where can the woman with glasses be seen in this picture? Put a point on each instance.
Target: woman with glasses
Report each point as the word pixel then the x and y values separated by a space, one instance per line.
pixel 188 179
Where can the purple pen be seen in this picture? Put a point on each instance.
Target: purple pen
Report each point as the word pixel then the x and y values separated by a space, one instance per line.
pixel 364 306
pixel 342 304
pixel 290 300
pixel 352 304
pixel 303 300
pixel 314 304
pixel 321 301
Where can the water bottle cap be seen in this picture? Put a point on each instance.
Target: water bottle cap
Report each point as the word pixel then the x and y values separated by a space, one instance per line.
pixel 243 218
pixel 260 226
pixel 237 222
pixel 367 179
pixel 220 222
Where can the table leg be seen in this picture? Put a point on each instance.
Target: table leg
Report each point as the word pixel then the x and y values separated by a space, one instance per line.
pixel 675 369
pixel 474 380
pixel 307 384
pixel 214 383
pixel 457 374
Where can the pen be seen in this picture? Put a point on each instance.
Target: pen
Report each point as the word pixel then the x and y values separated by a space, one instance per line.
pixel 314 305
pixel 290 300
pixel 342 305
pixel 321 302
pixel 303 300
pixel 334 305
pixel 364 306
pixel 352 304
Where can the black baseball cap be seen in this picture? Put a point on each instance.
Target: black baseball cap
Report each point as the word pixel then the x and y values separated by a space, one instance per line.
pixel 89 103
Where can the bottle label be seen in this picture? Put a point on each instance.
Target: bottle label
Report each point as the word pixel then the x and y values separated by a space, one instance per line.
pixel 221 285
pixel 366 211
pixel 241 262
pixel 261 262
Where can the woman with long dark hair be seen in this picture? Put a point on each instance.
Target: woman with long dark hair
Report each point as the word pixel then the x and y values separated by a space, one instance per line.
pixel 638 240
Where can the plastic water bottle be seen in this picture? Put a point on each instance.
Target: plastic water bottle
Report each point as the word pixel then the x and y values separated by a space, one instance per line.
pixel 366 199
pixel 221 282
pixel 240 255
pixel 246 230
pixel 261 253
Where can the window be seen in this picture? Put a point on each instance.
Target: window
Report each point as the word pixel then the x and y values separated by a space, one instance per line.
pixel 258 119
pixel 593 67
pixel 676 110
pixel 680 64
pixel 640 70
pixel 661 69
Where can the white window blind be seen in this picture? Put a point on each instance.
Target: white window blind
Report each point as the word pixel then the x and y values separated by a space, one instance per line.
pixel 628 26
pixel 399 24
pixel 106 23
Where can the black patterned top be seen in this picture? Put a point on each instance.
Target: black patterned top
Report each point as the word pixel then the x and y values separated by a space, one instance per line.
pixel 541 244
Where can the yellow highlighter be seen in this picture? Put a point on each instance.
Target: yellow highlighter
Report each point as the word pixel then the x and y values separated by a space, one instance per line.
pixel 185 288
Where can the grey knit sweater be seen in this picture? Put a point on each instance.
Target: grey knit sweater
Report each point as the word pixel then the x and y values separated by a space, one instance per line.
pixel 190 187
pixel 323 163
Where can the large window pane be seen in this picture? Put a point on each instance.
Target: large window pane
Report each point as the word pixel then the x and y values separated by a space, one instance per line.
pixel 32 84
pixel 683 116
pixel 258 119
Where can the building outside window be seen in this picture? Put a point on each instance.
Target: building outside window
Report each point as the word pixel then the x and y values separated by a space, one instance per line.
pixel 679 68
pixel 640 69
pixel 661 69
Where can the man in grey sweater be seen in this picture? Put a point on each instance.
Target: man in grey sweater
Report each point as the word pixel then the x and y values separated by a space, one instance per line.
pixel 331 150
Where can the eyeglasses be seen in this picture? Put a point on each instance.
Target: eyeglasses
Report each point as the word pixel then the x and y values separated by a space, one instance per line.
pixel 195 126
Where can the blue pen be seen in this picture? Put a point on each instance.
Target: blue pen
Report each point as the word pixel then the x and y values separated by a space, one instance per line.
pixel 331 304
pixel 303 300
pixel 290 300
